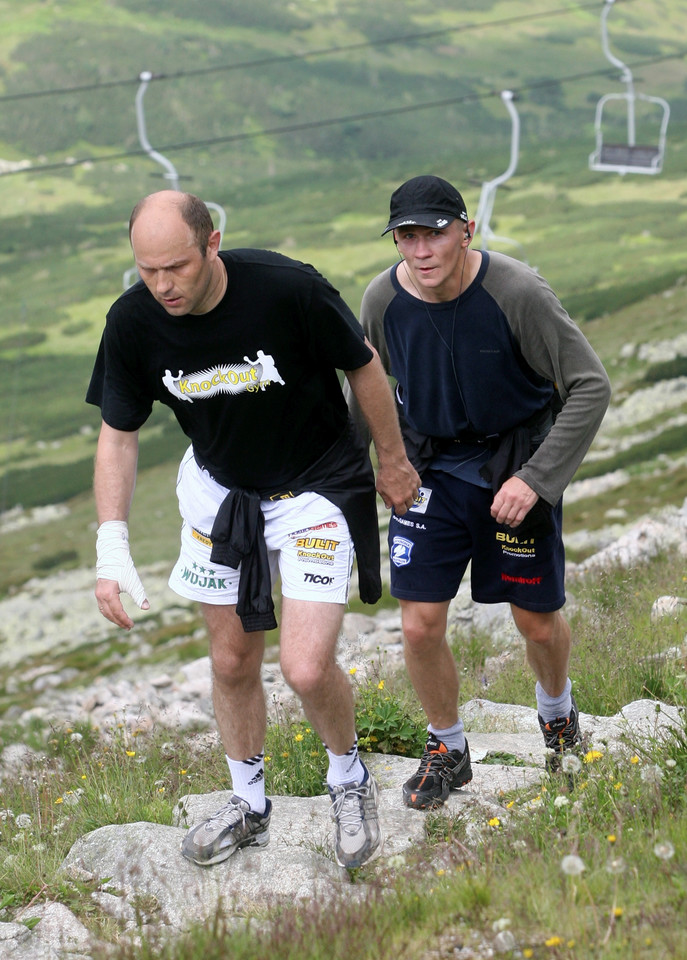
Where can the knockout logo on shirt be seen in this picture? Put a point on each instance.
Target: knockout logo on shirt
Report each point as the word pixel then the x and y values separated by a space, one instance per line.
pixel 251 376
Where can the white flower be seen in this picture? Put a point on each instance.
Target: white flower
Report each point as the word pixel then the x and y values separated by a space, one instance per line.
pixel 6 815
pixel 76 738
pixel 671 763
pixel 501 924
pixel 652 774
pixel 23 821
pixel 561 801
pixel 570 763
pixel 572 865
pixel 664 850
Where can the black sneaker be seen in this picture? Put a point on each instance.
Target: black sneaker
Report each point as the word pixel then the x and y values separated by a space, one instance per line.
pixel 233 826
pixel 560 735
pixel 441 770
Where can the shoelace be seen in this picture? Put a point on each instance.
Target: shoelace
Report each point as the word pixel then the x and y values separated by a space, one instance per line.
pixel 227 816
pixel 561 736
pixel 432 760
pixel 347 808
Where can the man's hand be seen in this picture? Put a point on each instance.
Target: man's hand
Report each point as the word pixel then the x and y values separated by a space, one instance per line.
pixel 398 483
pixel 116 573
pixel 513 502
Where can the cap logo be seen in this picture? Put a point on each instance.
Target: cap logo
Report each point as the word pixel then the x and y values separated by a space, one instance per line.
pixel 442 223
pixel 403 222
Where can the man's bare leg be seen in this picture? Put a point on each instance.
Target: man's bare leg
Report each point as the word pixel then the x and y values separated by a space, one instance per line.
pixel 309 633
pixel 429 661
pixel 237 693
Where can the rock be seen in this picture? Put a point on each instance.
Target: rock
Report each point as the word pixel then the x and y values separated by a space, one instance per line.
pixel 59 928
pixel 667 607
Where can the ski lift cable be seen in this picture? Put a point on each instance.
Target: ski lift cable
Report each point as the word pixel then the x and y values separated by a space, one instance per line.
pixel 330 121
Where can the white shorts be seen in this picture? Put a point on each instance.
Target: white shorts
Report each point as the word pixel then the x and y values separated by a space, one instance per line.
pixel 308 544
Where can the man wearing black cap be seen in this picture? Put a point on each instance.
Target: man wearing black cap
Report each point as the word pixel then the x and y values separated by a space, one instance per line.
pixel 499 396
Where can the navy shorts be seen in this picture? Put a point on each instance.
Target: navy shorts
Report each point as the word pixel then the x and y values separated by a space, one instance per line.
pixel 431 545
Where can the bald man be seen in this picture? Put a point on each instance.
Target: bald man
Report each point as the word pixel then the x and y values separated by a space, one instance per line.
pixel 276 482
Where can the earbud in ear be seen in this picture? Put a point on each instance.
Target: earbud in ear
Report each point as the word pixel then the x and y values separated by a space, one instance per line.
pixel 468 235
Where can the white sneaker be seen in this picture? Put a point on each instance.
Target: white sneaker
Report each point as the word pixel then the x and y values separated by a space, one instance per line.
pixel 358 835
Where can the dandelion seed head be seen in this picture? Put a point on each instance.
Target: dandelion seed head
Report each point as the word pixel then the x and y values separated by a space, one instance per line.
pixel 570 763
pixel 572 865
pixel 664 850
pixel 652 774
pixel 616 866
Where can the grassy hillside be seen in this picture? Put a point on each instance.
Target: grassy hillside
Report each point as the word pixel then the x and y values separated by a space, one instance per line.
pixel 609 245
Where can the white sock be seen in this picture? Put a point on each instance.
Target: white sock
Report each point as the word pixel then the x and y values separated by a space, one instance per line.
pixel 452 737
pixel 550 708
pixel 345 769
pixel 248 781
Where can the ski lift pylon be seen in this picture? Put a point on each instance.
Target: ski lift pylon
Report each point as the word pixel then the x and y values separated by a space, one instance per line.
pixel 629 157
pixel 170 173
pixel 489 187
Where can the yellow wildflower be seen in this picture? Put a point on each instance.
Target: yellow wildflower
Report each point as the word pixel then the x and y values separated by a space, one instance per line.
pixel 298 737
pixel 592 755
pixel 553 942
pixel 494 822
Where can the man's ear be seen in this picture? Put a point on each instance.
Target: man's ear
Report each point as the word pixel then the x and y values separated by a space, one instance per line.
pixel 213 244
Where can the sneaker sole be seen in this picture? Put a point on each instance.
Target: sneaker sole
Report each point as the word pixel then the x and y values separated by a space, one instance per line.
pixel 377 852
pixel 259 840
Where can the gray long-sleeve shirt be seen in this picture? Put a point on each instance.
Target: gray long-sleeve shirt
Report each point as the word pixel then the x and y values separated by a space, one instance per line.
pixel 482 364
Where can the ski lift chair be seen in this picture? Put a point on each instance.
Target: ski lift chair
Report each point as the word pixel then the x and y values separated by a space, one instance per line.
pixel 629 157
pixel 130 276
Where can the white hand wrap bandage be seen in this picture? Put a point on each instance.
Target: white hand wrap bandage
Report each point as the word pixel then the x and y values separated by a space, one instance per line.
pixel 114 559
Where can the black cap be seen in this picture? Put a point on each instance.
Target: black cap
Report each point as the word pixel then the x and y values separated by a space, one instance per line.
pixel 425 202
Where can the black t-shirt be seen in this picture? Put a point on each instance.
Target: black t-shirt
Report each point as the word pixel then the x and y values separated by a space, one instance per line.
pixel 253 382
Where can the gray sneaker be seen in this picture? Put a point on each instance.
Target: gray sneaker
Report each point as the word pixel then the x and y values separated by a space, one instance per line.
pixel 232 827
pixel 358 835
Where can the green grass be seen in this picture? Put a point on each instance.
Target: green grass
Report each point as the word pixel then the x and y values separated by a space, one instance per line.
pixel 623 815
